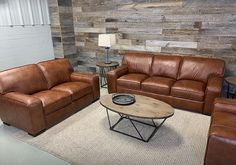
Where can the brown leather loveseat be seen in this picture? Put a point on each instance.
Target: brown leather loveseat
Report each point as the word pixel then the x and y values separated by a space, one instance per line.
pixel 221 145
pixel 182 81
pixel 37 96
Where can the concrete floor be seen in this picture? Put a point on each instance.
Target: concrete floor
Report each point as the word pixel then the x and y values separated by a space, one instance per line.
pixel 15 152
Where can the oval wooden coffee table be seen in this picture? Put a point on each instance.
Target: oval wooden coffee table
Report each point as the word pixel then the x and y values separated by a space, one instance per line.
pixel 143 108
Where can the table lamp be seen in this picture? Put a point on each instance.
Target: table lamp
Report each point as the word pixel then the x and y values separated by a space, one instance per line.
pixel 106 40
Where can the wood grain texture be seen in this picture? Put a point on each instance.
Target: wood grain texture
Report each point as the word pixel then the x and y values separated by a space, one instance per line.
pixel 62 28
pixel 144 107
pixel 189 27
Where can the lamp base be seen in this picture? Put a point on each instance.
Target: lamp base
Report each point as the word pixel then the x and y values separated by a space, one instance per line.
pixel 107 59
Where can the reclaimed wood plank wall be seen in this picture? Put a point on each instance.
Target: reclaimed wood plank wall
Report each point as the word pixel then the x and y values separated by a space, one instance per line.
pixel 55 28
pixel 189 27
pixel 63 36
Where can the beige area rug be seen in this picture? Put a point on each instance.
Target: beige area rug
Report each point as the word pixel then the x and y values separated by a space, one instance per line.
pixel 85 139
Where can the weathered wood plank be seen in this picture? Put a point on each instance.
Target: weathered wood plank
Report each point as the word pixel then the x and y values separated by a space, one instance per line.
pixel 137 6
pixel 62 27
pixel 197 28
pixel 138 48
pixel 171 44
pixel 141 30
pixel 90 30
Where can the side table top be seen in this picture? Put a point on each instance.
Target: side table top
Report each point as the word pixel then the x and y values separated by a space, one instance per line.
pixel 103 64
pixel 144 107
pixel 231 80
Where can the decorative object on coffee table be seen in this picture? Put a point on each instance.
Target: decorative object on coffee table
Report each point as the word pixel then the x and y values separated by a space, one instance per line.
pixel 143 108
pixel 103 69
pixel 123 98
pixel 106 40
pixel 231 81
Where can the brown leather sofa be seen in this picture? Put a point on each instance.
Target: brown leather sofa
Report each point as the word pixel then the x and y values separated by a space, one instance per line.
pixel 37 96
pixel 182 81
pixel 221 145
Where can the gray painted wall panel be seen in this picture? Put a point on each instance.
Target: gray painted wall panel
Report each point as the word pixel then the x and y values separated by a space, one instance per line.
pixel 24 45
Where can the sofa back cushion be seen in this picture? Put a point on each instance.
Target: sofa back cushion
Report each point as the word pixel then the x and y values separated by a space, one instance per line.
pixel 26 79
pixel 138 63
pixel 199 69
pixel 56 71
pixel 165 65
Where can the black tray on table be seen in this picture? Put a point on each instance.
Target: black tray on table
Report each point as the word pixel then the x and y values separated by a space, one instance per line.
pixel 123 98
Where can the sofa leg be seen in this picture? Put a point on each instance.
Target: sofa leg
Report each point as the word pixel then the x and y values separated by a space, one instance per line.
pixel 6 124
pixel 34 135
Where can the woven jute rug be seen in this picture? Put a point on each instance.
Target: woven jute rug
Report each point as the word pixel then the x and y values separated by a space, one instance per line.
pixel 85 138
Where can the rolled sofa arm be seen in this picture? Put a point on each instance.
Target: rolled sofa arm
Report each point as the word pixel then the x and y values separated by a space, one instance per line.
pixel 221 145
pixel 23 111
pixel 89 78
pixel 225 105
pixel 213 90
pixel 113 75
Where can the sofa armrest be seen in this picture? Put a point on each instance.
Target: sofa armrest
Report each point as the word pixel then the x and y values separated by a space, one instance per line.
pixel 23 111
pixel 24 99
pixel 90 78
pixel 225 105
pixel 213 90
pixel 221 146
pixel 113 75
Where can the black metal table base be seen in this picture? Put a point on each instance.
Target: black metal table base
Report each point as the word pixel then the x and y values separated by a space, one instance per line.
pixel 103 75
pixel 140 137
pixel 232 94
pixel 103 79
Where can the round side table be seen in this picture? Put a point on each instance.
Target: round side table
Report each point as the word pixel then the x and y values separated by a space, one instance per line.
pixel 231 81
pixel 103 69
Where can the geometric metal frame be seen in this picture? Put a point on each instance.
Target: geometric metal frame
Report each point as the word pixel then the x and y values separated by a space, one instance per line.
pixel 103 69
pixel 103 79
pixel 233 94
pixel 122 116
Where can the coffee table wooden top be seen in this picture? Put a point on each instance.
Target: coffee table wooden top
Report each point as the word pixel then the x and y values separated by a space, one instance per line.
pixel 144 107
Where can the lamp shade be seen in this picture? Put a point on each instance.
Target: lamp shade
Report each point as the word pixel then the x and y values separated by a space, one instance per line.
pixel 106 40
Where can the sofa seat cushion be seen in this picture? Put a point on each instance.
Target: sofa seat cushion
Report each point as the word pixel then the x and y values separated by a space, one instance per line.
pixel 75 89
pixel 224 119
pixel 159 85
pixel 53 100
pixel 188 89
pixel 131 80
